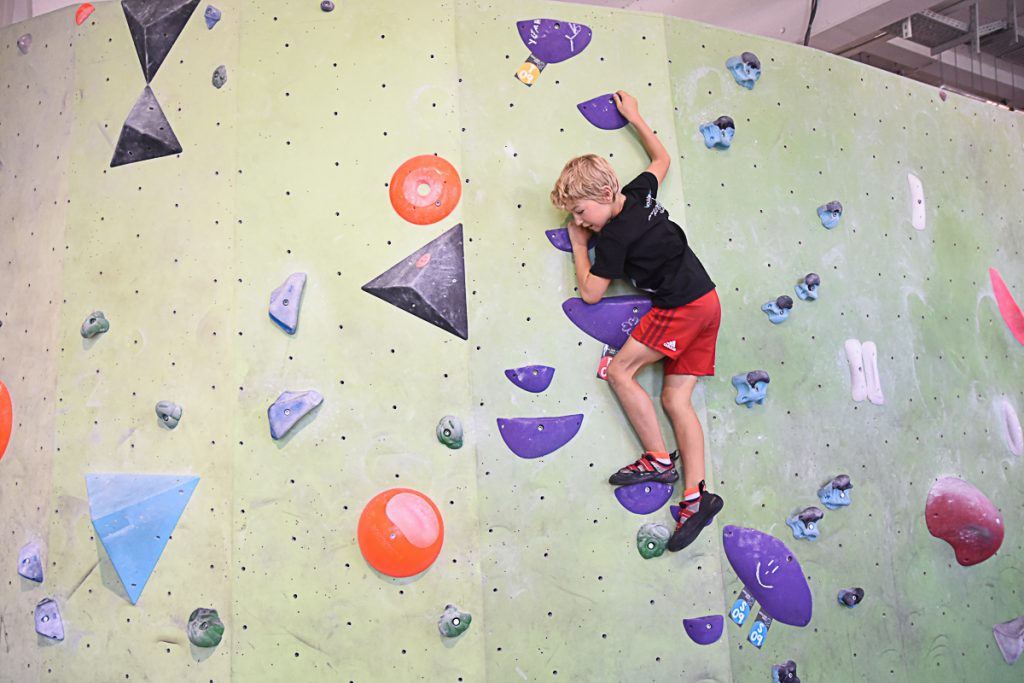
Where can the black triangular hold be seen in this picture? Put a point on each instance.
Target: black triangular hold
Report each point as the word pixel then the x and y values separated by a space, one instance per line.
pixel 155 25
pixel 429 283
pixel 146 134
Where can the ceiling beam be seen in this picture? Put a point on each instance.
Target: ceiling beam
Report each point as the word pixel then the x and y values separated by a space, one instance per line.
pixel 840 25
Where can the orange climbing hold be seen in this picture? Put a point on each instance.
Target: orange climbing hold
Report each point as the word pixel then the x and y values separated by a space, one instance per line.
pixel 425 189
pixel 6 418
pixel 83 12
pixel 400 532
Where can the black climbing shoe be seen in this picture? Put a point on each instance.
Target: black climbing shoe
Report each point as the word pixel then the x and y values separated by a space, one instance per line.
pixel 647 468
pixel 689 527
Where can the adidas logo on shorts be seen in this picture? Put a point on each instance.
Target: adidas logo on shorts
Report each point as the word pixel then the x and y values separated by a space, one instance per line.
pixel 670 345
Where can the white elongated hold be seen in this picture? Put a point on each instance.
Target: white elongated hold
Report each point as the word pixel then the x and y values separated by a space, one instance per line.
pixel 869 355
pixel 917 207
pixel 1010 423
pixel 855 359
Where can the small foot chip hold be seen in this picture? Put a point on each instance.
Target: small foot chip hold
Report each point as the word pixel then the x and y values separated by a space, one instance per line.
pixel 746 69
pixel 1007 418
pixel 830 214
pixel 289 408
pixel 24 43
pixel 805 523
pixel 30 564
pixel 850 597
pixel 836 493
pixel 449 432
pixel 83 12
pixel 785 672
pixel 807 289
pixel 964 517
pixel 453 622
pixel 1010 639
pixel 718 133
pixel 48 621
pixel 705 630
pixel 285 302
pixel 96 323
pixel 169 413
pixel 327 6
pixel 212 15
pixel 778 310
pixel 205 629
pixel 652 539
pixel 220 77
pixel 751 387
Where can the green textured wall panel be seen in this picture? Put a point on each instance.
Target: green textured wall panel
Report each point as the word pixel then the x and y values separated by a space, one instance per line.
pixel 286 169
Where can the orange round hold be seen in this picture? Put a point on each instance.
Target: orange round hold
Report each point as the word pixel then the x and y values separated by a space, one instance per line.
pixel 400 532
pixel 83 12
pixel 6 418
pixel 425 189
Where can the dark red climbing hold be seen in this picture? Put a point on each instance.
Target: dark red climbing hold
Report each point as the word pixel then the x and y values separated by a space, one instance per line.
pixel 964 517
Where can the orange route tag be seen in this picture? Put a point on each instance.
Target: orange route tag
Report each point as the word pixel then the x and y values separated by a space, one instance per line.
pixel 529 72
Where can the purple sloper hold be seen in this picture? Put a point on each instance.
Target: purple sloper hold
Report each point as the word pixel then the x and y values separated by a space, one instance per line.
pixel 704 630
pixel 602 112
pixel 771 572
pixel 48 621
pixel 289 408
pixel 532 437
pixel 644 497
pixel 559 238
pixel 29 564
pixel 285 302
pixel 532 378
pixel 609 320
pixel 554 41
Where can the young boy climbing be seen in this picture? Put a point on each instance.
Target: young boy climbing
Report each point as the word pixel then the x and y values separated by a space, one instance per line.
pixel 636 240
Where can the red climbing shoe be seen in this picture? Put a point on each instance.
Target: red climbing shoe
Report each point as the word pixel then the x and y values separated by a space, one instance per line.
pixel 647 468
pixel 692 522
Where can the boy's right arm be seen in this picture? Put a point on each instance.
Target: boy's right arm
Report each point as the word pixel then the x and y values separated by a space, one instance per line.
pixel 660 159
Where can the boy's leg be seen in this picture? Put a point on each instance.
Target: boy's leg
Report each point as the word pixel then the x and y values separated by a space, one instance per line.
pixel 676 398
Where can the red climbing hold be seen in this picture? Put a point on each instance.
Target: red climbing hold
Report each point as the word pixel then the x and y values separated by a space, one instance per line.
pixel 6 418
pixel 400 532
pixel 83 12
pixel 425 189
pixel 964 517
pixel 1009 309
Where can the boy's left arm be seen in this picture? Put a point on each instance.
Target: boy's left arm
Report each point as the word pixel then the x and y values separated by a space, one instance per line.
pixel 592 287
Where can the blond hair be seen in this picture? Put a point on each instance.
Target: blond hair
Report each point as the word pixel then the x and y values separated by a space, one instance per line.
pixel 584 177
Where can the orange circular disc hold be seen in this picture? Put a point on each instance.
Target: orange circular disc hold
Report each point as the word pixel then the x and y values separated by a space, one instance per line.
pixel 425 189
pixel 400 532
pixel 6 418
pixel 83 12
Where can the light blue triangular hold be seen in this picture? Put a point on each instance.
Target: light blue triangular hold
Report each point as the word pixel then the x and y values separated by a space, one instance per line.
pixel 134 514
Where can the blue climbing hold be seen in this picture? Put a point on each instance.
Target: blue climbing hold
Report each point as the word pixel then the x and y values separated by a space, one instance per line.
pixel 836 493
pixel 718 133
pixel 751 387
pixel 805 524
pixel 778 310
pixel 285 302
pixel 532 378
pixel 134 516
pixel 212 16
pixel 289 408
pixel 830 214
pixel 746 69
pixel 29 564
pixel 807 289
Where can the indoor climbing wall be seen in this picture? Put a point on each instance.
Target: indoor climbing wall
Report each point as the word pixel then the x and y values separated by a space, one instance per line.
pixel 287 168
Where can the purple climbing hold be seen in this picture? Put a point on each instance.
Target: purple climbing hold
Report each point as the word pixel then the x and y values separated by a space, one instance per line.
pixel 29 563
pixel 1010 639
pixel 532 437
pixel 554 41
pixel 602 112
pixel 644 497
pixel 559 238
pixel 285 302
pixel 212 15
pixel 24 43
pixel 771 572
pixel 48 621
pixel 532 378
pixel 610 320
pixel 289 408
pixel 704 630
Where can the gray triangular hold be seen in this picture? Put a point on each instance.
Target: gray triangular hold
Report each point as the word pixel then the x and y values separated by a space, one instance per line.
pixel 429 283
pixel 155 25
pixel 146 134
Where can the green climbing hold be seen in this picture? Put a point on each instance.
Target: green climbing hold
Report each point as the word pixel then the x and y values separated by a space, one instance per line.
pixel 651 540
pixel 453 622
pixel 449 431
pixel 205 629
pixel 96 323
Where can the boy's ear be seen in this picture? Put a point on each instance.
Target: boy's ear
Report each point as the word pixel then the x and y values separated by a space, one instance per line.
pixel 607 196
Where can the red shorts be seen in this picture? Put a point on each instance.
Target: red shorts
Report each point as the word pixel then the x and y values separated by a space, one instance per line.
pixel 686 335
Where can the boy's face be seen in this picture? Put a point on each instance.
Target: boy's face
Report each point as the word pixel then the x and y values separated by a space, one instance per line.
pixel 593 214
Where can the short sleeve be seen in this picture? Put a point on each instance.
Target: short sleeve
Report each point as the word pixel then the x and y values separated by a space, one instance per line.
pixel 609 258
pixel 644 183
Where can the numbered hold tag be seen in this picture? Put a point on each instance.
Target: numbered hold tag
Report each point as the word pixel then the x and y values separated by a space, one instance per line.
pixel 741 608
pixel 759 631
pixel 529 72
pixel 606 358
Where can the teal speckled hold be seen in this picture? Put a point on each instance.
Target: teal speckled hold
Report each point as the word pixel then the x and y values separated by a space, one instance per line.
pixel 96 323
pixel 453 622
pixel 449 431
pixel 205 629
pixel 652 539
pixel 169 413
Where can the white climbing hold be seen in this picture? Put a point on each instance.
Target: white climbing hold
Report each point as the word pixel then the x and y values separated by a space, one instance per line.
pixel 855 359
pixel 917 207
pixel 874 385
pixel 1010 424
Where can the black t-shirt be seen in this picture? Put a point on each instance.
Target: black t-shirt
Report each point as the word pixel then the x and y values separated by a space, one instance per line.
pixel 642 244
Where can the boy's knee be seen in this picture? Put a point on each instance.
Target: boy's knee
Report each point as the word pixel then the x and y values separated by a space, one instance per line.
pixel 617 373
pixel 675 398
